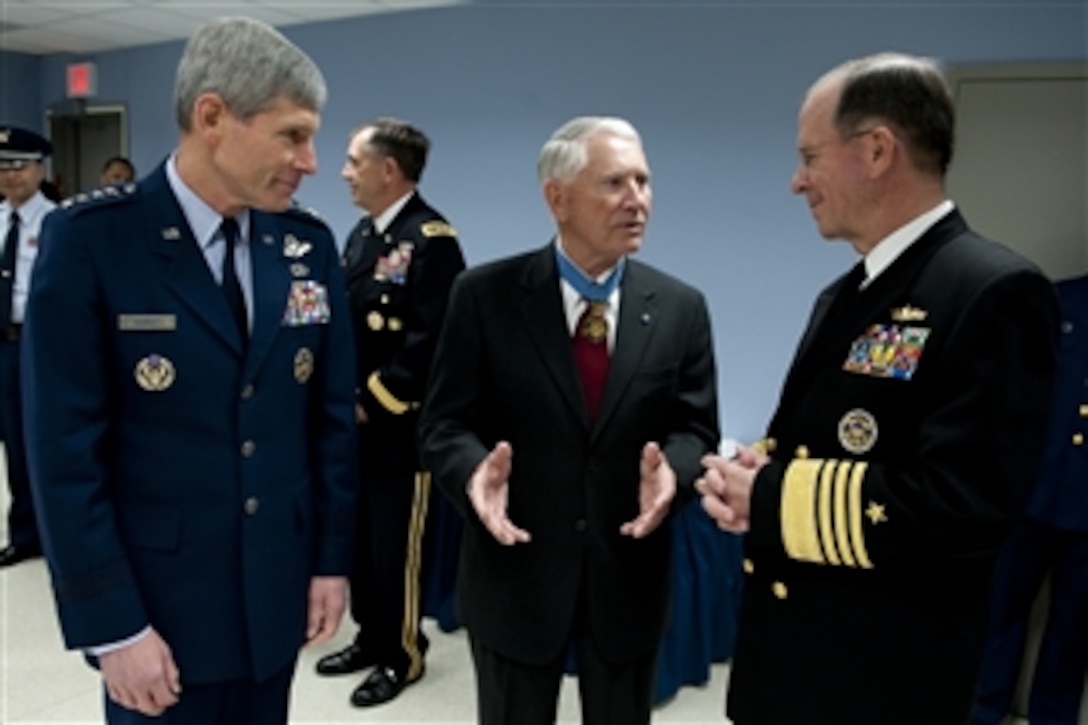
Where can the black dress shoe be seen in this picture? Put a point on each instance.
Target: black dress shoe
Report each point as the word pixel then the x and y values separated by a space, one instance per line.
pixel 350 659
pixel 382 685
pixel 12 554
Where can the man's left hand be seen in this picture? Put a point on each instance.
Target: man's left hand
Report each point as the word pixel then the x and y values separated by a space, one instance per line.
pixel 328 600
pixel 656 490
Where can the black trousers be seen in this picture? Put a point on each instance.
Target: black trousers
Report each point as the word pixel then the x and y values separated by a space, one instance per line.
pixel 227 703
pixel 22 529
pixel 385 580
pixel 515 693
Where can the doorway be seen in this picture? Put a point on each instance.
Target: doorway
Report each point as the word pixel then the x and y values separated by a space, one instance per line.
pixel 84 137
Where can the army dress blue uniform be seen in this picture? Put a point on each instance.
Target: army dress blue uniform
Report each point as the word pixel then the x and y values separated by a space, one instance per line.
pixel 398 289
pixel 1052 538
pixel 189 479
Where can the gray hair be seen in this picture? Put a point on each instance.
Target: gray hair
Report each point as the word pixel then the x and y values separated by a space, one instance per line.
pixel 564 154
pixel 249 64
pixel 910 94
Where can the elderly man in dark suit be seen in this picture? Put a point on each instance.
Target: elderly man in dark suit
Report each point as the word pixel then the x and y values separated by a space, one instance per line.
pixel 573 395
pixel 190 402
pixel 908 432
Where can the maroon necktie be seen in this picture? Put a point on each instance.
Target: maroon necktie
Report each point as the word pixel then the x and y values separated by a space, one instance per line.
pixel 591 354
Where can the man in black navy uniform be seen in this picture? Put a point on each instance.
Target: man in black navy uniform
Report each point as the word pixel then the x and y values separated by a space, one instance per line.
pixel 908 433
pixel 401 260
pixel 189 388
pixel 1052 538
pixel 21 212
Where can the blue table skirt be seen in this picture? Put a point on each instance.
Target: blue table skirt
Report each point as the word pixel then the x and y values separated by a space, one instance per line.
pixel 706 591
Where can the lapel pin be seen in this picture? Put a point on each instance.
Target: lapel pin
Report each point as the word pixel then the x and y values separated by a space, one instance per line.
pixel 171 234
pixel 267 239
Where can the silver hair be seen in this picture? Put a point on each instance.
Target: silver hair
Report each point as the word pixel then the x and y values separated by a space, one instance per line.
pixel 249 64
pixel 564 154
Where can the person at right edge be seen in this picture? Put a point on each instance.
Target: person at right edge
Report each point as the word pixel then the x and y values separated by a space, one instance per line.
pixel 401 260
pixel 908 433
pixel 1052 538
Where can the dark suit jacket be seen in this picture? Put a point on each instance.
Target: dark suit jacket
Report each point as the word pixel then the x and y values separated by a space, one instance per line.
pixel 907 436
pixel 398 289
pixel 505 370
pixel 183 483
pixel 1060 499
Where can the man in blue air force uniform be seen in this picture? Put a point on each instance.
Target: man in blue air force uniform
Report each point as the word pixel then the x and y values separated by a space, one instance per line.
pixel 190 404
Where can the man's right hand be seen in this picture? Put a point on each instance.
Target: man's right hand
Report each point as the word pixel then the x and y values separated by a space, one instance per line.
pixel 488 490
pixel 142 676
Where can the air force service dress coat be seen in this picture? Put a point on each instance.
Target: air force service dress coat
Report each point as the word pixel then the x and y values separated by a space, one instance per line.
pixel 505 370
pixel 185 480
pixel 907 436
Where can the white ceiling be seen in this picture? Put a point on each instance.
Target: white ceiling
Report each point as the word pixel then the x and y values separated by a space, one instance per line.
pixel 41 27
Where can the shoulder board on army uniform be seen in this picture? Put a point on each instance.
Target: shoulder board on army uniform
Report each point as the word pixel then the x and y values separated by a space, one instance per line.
pixel 98 198
pixel 437 228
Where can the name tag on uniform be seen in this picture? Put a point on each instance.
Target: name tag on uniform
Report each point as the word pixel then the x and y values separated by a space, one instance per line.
pixel 147 323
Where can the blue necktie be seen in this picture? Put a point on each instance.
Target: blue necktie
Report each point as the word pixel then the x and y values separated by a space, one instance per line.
pixel 236 301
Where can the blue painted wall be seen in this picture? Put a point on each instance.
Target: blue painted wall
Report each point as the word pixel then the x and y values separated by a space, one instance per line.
pixel 20 91
pixel 714 88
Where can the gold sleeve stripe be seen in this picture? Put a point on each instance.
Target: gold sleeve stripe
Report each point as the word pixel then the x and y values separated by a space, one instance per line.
pixel 799 536
pixel 841 535
pixel 823 508
pixel 856 533
pixel 387 399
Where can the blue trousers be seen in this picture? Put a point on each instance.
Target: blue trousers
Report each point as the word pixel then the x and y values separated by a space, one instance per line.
pixel 1033 551
pixel 22 529
pixel 225 703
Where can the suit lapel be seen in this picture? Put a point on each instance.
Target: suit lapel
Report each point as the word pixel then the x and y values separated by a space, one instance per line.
pixel 637 319
pixel 545 322
pixel 186 272
pixel 271 286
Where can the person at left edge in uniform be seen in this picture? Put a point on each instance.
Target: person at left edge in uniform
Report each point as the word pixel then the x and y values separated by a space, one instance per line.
pixel 401 260
pixel 21 174
pixel 189 389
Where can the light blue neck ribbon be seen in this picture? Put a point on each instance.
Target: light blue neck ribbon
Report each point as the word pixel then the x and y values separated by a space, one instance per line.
pixel 587 288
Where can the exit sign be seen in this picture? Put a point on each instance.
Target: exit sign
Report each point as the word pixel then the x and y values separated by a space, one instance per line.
pixel 82 80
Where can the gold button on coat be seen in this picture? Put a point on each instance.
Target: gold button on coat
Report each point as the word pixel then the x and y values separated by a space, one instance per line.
pixel 779 590
pixel 749 567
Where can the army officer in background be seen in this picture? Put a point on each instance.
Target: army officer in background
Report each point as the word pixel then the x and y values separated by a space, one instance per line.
pixel 400 261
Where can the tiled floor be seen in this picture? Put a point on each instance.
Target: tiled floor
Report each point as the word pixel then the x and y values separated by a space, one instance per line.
pixel 42 683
